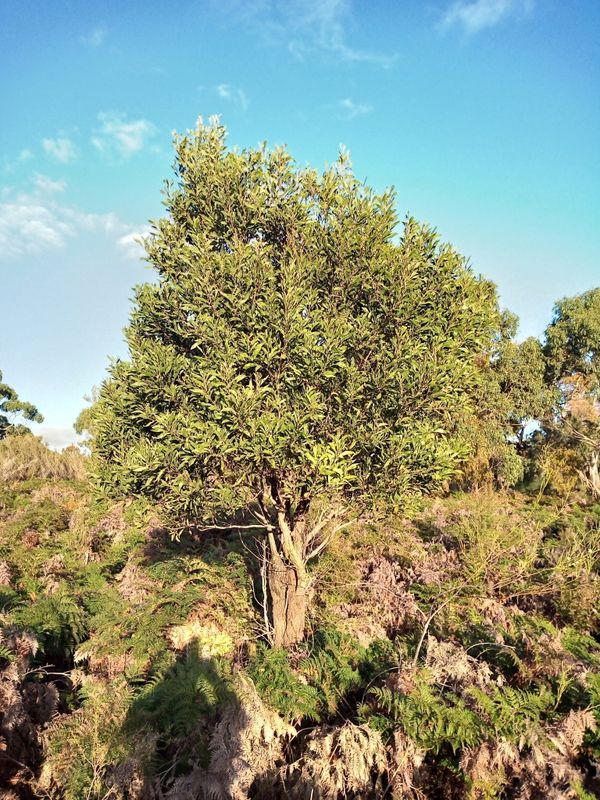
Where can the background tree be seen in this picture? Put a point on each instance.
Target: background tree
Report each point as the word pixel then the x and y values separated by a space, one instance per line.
pixel 11 409
pixel 84 424
pixel 511 393
pixel 572 353
pixel 294 357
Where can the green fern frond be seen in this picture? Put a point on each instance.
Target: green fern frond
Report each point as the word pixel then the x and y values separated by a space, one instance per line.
pixel 6 653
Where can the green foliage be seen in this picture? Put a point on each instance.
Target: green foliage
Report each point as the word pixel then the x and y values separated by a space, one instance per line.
pixel 289 341
pixel 583 646
pixel 436 719
pixel 328 670
pixel 531 556
pixel 6 653
pixel 57 621
pixel 44 516
pixel 172 703
pixel 573 337
pixel 11 408
pixel 130 621
pixel 515 714
pixel 572 428
pixel 510 393
pixel 84 424
pixel 85 745
pixel 573 554
pixel 431 719
pixel 332 666
pixel 498 550
pixel 281 687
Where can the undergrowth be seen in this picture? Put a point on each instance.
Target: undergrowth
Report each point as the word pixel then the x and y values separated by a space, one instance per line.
pixel 458 647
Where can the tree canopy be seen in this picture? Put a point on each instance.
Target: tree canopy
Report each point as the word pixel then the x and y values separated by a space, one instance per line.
pixel 572 353
pixel 12 409
pixel 511 392
pixel 573 338
pixel 296 354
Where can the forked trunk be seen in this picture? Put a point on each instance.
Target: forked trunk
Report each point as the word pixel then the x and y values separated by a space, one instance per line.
pixel 287 585
pixel 290 595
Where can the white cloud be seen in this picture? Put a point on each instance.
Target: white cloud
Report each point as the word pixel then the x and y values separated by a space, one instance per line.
pixel 326 20
pixel 351 110
pixel 131 243
pixel 477 15
pixel 33 223
pixel 46 185
pixel 25 155
pixel 306 26
pixel 27 226
pixel 232 94
pixel 108 223
pixel 119 135
pixel 95 38
pixel 61 149
pixel 57 438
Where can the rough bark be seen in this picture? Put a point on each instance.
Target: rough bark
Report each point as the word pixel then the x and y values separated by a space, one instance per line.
pixel 291 545
pixel 289 584
pixel 289 593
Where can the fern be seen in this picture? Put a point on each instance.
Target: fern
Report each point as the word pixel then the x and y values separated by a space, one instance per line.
pixel 437 720
pixel 6 653
pixel 56 620
pixel 171 704
pixel 582 646
pixel 427 717
pixel 333 667
pixel 515 714
pixel 83 747
pixel 280 687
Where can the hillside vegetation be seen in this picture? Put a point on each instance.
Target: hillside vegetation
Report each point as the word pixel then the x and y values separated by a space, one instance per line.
pixel 338 532
pixel 449 653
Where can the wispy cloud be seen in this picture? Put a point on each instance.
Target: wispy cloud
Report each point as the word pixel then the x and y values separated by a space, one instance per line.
pixel 351 110
pixel 10 164
pixel 60 149
pixel 34 222
pixel 120 136
pixel 95 38
pixel 132 243
pixel 308 26
pixel 46 185
pixel 233 95
pixel 473 16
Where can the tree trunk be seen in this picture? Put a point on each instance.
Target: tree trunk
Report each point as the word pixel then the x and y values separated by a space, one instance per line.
pixel 288 591
pixel 290 595
pixel 594 474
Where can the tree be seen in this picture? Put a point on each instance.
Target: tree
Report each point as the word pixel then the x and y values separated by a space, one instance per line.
pixel 295 357
pixel 84 424
pixel 572 353
pixel 511 393
pixel 10 410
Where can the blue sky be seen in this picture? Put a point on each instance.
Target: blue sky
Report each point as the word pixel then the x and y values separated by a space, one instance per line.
pixel 484 114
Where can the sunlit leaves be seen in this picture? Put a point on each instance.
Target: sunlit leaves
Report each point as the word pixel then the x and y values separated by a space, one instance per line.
pixel 292 337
